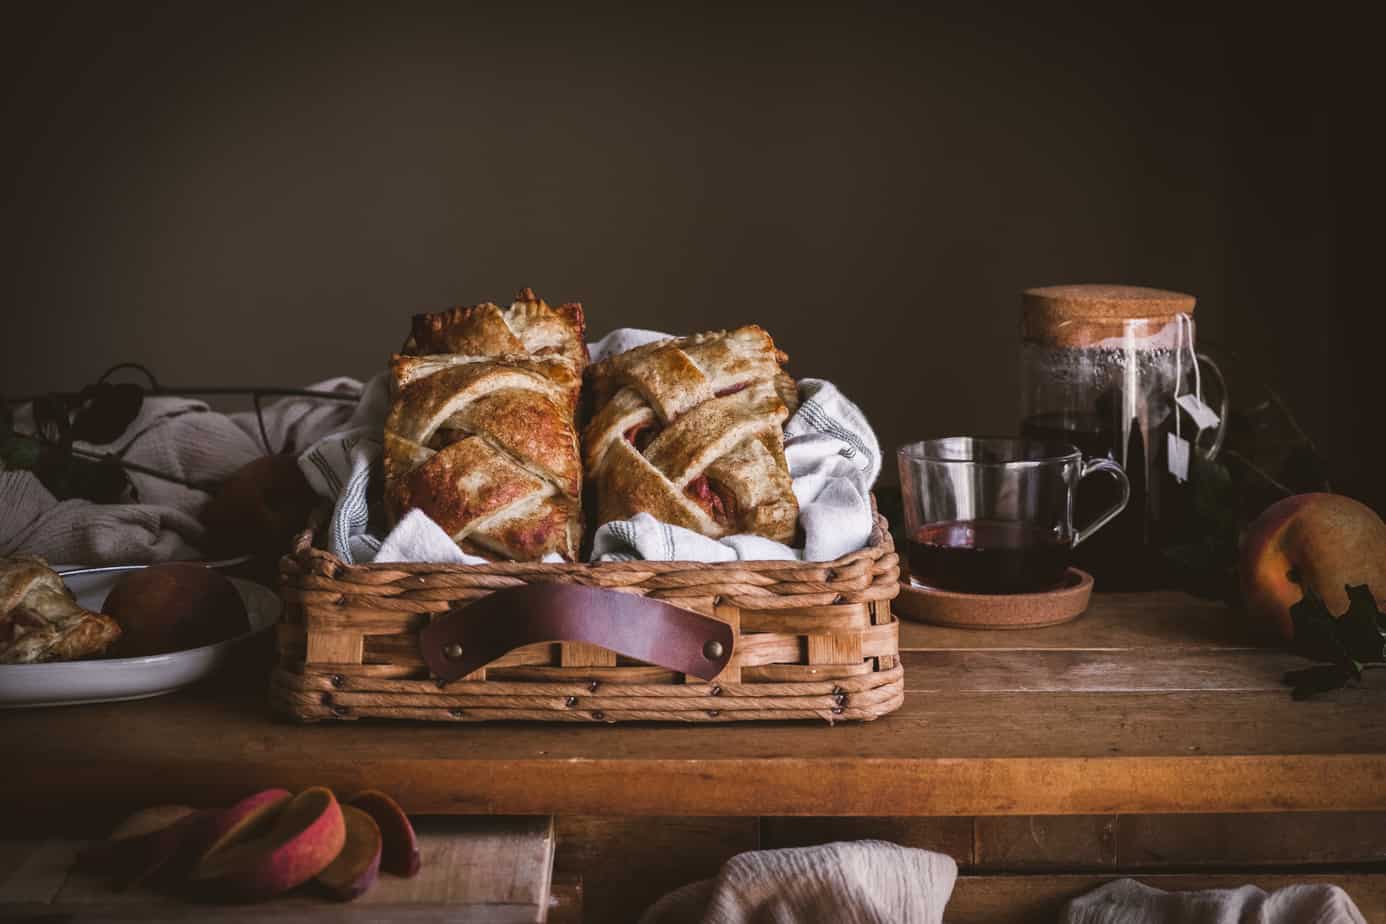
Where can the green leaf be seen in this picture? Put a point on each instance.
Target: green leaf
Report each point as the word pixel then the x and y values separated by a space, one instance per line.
pixel 1213 497
pixel 19 453
pixel 1316 631
pixel 1358 636
pixel 1359 629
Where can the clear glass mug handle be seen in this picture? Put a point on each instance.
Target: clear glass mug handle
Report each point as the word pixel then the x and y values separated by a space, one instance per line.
pixel 1221 429
pixel 1095 467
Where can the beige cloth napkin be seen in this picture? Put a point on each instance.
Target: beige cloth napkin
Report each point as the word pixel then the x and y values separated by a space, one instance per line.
pixel 1127 901
pixel 176 436
pixel 875 882
pixel 858 882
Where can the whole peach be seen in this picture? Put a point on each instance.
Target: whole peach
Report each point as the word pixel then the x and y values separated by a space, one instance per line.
pixel 1319 541
pixel 172 607
pixel 259 508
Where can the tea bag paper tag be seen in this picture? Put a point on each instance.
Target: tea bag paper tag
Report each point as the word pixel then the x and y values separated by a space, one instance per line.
pixel 1203 416
pixel 1179 457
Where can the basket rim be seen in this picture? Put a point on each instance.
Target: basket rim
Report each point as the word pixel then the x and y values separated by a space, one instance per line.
pixel 304 556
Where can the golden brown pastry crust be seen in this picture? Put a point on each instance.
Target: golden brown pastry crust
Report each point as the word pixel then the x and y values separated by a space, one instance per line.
pixel 40 619
pixel 690 430
pixel 529 327
pixel 481 433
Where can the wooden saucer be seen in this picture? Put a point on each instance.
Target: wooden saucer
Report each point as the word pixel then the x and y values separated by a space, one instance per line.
pixel 995 611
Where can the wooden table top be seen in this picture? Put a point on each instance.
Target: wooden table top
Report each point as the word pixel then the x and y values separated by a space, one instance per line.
pixel 1148 703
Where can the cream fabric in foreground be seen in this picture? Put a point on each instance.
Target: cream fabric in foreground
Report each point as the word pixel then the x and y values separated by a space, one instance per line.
pixel 1127 901
pixel 858 882
pixel 875 882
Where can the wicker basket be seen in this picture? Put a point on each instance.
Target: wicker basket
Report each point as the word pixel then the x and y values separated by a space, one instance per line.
pixel 808 640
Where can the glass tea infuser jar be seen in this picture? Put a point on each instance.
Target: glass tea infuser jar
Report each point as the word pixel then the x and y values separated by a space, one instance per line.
pixel 1114 371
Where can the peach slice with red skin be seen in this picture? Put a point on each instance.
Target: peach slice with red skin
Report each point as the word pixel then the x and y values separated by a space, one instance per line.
pixel 196 833
pixel 357 866
pixel 139 846
pixel 208 830
pixel 399 844
pixel 149 820
pixel 304 837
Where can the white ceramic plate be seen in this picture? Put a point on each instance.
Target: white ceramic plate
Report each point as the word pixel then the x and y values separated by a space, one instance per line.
pixel 109 680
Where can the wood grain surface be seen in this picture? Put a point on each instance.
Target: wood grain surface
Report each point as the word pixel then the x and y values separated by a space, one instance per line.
pixel 481 870
pixel 627 864
pixel 1098 843
pixel 1147 704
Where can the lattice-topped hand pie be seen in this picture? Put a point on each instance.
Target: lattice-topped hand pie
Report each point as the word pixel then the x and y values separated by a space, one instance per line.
pixel 40 620
pixel 480 434
pixel 690 430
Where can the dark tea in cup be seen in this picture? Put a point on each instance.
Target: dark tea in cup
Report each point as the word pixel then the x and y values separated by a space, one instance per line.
pixel 988 556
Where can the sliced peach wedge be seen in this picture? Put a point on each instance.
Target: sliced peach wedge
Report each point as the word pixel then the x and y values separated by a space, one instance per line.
pixel 149 820
pixel 355 869
pixel 399 845
pixel 139 846
pixel 166 840
pixel 208 830
pixel 304 837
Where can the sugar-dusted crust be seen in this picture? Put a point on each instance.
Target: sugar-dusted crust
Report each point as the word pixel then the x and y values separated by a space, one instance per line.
pixel 556 371
pixel 678 373
pixel 690 430
pixel 517 413
pixel 40 619
pixel 529 327
pixel 481 433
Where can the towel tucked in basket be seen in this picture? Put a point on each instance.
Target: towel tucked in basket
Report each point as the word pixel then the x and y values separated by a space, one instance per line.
pixel 833 458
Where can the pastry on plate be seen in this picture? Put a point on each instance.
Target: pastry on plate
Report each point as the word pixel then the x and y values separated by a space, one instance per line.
pixel 481 433
pixel 691 431
pixel 40 619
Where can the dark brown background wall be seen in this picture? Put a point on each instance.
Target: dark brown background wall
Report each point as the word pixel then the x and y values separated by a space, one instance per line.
pixel 264 197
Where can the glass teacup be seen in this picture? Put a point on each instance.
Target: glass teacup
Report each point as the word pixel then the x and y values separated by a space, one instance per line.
pixel 995 515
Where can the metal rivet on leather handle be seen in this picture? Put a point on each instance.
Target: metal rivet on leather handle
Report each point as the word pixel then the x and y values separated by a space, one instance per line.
pixel 712 650
pixel 453 651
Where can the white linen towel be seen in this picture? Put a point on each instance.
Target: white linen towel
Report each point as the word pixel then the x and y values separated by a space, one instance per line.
pixel 857 882
pixel 1127 901
pixel 174 435
pixel 872 882
pixel 833 458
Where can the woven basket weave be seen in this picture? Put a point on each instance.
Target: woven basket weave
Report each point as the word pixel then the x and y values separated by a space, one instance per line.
pixel 812 640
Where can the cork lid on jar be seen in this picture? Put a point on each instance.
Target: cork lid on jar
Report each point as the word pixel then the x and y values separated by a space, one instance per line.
pixel 1083 314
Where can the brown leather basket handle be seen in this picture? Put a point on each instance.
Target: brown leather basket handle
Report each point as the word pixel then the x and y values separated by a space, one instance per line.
pixel 470 637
